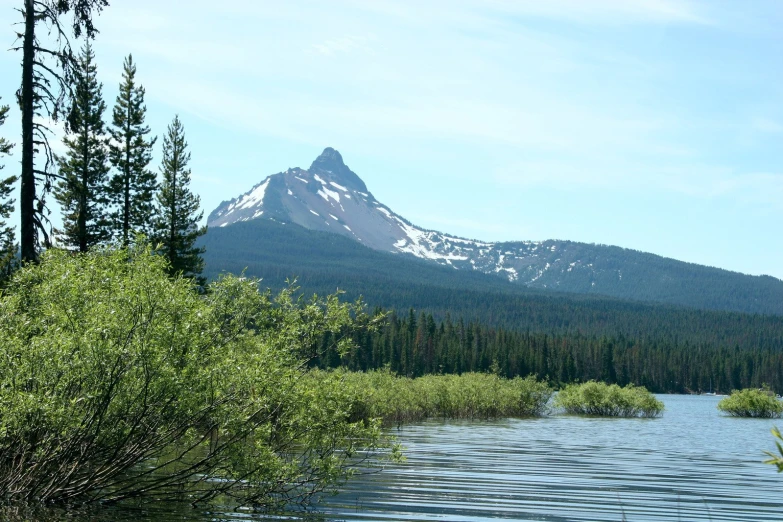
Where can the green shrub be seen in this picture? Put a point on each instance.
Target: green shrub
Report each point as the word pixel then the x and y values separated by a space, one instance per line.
pixel 608 400
pixel 117 381
pixel 395 400
pixel 751 403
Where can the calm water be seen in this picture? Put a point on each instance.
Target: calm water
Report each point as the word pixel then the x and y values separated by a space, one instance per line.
pixel 691 464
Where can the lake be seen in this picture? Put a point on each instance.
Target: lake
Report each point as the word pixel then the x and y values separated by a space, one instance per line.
pixel 691 464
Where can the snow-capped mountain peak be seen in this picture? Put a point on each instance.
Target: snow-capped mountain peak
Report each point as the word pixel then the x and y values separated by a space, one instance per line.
pixel 330 197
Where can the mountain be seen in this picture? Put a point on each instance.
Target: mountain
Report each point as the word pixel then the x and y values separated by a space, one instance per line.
pixel 329 197
pixel 322 262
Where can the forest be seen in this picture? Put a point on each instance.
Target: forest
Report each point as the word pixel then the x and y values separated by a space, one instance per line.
pixel 276 250
pixel 416 344
pixel 478 319
pixel 103 185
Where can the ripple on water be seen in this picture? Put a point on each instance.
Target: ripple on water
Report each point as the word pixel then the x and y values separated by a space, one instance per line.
pixel 692 464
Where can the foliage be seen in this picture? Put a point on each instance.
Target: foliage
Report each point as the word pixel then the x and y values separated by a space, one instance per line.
pixel 47 76
pixel 133 185
pixel 395 399
pixel 177 222
pixel 479 319
pixel 82 191
pixel 608 400
pixel 418 344
pixel 7 236
pixel 117 381
pixel 759 403
pixel 776 459
pixel 679 349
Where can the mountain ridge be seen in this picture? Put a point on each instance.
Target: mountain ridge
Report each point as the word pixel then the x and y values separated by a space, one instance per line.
pixel 330 197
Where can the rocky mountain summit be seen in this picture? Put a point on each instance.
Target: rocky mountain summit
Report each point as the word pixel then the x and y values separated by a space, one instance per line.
pixel 330 197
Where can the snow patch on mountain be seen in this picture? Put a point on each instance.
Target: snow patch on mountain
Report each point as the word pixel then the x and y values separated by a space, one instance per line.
pixel 329 191
pixel 326 194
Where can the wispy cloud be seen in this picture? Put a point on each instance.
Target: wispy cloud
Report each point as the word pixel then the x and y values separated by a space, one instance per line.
pixel 609 11
pixel 767 125
pixel 700 181
pixel 566 99
pixel 482 73
pixel 343 44
pixel 745 188
pixel 578 11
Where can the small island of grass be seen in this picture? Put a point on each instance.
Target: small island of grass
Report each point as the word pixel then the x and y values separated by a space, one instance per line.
pixel 756 403
pixel 394 399
pixel 608 400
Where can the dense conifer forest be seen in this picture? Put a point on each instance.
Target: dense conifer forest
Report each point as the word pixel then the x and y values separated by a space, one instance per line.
pixel 416 344
pixel 552 266
pixel 322 262
pixel 448 322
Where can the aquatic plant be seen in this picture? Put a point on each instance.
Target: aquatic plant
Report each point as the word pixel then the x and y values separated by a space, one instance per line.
pixel 776 459
pixel 759 403
pixel 608 400
pixel 395 400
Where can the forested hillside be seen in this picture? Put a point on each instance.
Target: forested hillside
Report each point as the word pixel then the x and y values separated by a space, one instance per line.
pixel 323 262
pixel 584 268
pixel 329 197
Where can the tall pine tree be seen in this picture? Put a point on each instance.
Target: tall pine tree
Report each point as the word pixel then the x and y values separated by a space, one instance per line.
pixel 133 185
pixel 47 71
pixel 176 224
pixel 7 237
pixel 82 191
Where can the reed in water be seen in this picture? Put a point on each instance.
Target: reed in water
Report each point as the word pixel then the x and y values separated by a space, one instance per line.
pixel 608 400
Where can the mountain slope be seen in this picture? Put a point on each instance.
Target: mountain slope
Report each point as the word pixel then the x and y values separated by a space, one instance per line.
pixel 329 197
pixel 323 262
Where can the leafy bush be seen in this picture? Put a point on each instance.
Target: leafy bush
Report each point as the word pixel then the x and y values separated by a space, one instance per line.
pixel 608 400
pixel 381 394
pixel 751 403
pixel 117 381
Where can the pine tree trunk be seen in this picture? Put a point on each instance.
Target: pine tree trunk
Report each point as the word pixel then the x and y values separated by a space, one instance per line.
pixel 27 194
pixel 173 210
pixel 126 212
pixel 81 218
pixel 126 196
pixel 126 186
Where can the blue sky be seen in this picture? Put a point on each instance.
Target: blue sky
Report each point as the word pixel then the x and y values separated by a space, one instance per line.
pixel 649 124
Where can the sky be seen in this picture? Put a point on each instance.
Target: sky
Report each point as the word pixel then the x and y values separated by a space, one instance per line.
pixel 655 125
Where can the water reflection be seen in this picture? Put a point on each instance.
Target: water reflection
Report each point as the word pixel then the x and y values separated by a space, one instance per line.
pixel 692 464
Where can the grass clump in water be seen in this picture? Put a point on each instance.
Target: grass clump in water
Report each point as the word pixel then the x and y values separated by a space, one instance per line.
pixel 608 400
pixel 396 400
pixel 757 403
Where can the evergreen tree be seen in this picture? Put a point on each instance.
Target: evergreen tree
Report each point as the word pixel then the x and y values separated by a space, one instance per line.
pixel 133 185
pixel 176 224
pixel 82 191
pixel 7 236
pixel 47 70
